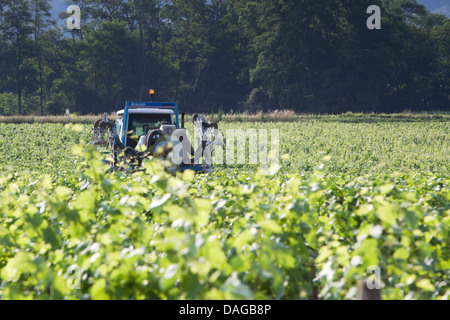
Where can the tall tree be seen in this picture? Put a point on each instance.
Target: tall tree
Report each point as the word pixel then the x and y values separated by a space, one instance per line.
pixel 17 28
pixel 185 46
pixel 221 85
pixel 357 78
pixel 294 42
pixel 411 55
pixel 40 16
pixel 145 15
pixel 441 36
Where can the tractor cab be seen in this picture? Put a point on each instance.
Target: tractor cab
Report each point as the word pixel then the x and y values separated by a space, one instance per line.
pixel 143 120
pixel 138 119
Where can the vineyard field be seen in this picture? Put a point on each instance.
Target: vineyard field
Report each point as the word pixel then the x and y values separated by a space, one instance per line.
pixel 346 199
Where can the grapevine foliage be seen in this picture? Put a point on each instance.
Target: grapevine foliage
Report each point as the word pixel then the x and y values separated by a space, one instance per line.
pixel 68 230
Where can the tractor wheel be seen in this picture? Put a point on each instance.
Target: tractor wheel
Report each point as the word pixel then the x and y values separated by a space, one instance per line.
pixel 152 138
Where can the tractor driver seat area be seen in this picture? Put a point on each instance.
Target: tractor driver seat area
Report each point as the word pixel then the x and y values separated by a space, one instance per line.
pixel 141 125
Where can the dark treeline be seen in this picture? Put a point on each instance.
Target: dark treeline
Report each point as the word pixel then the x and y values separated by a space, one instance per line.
pixel 245 55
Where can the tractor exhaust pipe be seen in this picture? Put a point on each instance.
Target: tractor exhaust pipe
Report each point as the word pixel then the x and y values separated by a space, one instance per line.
pixel 182 120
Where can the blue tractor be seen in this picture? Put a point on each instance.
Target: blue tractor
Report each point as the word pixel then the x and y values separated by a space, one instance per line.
pixel 153 129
